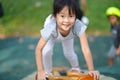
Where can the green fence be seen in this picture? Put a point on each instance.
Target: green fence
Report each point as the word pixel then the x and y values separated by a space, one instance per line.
pixel 17 56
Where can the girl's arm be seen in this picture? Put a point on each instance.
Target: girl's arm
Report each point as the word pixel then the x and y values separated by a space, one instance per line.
pixel 118 50
pixel 88 56
pixel 86 52
pixel 118 40
pixel 40 46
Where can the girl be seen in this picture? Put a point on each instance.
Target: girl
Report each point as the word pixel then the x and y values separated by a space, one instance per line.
pixel 62 25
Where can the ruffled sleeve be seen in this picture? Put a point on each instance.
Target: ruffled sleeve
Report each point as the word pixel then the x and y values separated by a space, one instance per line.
pixel 49 28
pixel 79 28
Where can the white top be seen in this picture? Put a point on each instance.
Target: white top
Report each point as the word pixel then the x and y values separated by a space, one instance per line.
pixel 50 29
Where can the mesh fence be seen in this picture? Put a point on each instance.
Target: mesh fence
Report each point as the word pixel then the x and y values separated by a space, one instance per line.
pixel 17 56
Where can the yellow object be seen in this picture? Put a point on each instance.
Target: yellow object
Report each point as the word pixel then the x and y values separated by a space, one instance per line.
pixel 113 11
pixel 59 78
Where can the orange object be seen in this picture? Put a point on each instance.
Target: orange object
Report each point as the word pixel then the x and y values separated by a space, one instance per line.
pixel 86 77
pixel 83 77
pixel 79 76
pixel 59 78
pixel 70 75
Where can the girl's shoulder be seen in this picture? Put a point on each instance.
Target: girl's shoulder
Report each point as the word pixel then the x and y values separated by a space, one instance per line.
pixel 49 28
pixel 79 27
pixel 79 24
pixel 50 20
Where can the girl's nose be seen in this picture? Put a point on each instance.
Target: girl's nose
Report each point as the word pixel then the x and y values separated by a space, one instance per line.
pixel 66 19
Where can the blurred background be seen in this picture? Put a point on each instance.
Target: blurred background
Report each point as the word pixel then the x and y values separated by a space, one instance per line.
pixel 19 34
pixel 27 17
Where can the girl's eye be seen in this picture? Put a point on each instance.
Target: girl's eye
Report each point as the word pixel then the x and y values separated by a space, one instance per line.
pixel 71 15
pixel 62 16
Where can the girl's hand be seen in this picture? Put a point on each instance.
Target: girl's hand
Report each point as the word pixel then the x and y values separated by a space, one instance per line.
pixel 96 74
pixel 41 75
pixel 118 51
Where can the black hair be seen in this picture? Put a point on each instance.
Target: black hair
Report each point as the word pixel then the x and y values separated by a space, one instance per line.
pixel 58 5
pixel 1 10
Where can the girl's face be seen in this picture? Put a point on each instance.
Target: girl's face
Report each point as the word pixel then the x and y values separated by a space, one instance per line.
pixel 64 20
pixel 113 20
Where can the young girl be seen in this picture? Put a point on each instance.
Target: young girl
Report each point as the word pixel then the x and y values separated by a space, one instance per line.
pixel 62 25
pixel 113 15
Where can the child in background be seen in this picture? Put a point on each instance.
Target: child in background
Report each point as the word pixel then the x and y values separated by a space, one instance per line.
pixel 1 10
pixel 62 25
pixel 82 9
pixel 113 15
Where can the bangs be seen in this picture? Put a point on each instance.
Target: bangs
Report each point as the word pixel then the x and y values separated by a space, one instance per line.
pixel 58 5
pixel 71 10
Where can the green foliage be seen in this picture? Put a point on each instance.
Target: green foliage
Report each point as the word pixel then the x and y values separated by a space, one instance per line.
pixel 26 17
pixel 96 13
